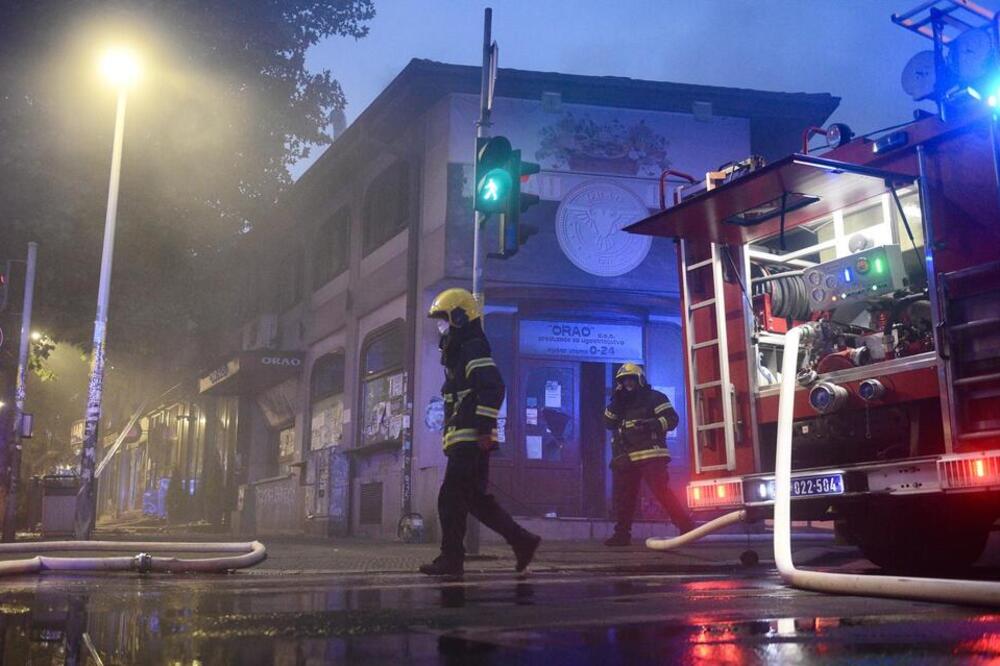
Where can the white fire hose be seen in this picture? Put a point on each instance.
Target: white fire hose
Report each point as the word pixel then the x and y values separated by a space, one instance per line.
pixel 903 587
pixel 661 543
pixel 245 555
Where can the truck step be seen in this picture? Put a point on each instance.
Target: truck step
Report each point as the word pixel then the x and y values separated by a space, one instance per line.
pixel 977 379
pixel 981 434
pixel 974 325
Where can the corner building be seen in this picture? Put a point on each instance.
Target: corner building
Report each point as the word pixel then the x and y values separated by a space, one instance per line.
pixel 335 371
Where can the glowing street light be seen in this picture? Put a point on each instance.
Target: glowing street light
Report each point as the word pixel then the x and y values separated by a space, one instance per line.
pixel 120 67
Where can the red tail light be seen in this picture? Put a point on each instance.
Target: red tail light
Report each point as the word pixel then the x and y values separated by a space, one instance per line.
pixel 709 494
pixel 969 472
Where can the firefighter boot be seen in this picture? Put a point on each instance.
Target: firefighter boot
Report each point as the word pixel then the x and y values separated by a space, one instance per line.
pixel 443 566
pixel 619 539
pixel 524 551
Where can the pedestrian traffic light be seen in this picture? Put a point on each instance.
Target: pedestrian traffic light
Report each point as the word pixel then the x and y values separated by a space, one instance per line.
pixel 493 177
pixel 512 232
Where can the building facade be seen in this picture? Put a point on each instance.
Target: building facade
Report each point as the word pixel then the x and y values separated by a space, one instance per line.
pixel 334 375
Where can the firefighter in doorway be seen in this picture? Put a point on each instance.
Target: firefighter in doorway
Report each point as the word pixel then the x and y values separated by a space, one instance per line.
pixel 640 418
pixel 473 392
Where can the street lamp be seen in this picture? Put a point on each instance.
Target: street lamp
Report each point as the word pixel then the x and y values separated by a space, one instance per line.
pixel 121 68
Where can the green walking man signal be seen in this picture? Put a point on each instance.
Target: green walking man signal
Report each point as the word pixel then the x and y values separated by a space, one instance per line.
pixel 493 180
pixel 499 175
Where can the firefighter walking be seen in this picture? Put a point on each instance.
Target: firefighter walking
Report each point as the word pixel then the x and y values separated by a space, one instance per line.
pixel 473 392
pixel 640 417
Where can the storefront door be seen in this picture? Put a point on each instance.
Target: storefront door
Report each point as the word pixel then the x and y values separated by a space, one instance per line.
pixel 547 467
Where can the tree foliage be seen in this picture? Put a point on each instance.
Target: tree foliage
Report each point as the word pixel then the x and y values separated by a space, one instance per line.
pixel 224 106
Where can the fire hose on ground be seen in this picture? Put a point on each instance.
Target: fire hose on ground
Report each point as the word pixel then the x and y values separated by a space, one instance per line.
pixel 239 556
pixel 902 587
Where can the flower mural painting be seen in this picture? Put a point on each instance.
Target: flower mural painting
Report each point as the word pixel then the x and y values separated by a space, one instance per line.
pixel 580 143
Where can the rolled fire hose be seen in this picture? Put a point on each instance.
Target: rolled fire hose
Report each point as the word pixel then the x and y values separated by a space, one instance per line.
pixel 903 587
pixel 246 555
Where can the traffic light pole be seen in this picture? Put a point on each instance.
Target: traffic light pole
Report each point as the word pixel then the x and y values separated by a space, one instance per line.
pixel 482 126
pixel 10 507
pixel 479 220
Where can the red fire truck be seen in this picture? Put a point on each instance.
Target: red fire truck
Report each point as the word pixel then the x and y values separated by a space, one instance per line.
pixel 890 245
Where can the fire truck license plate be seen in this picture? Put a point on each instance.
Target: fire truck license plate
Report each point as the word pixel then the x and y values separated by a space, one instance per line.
pixel 827 484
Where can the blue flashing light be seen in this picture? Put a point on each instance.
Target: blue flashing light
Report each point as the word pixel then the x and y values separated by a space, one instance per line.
pixel 986 91
pixel 989 92
pixel 847 275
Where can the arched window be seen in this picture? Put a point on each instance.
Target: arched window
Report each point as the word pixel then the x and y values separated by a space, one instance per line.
pixel 383 385
pixel 326 395
pixel 387 206
pixel 330 254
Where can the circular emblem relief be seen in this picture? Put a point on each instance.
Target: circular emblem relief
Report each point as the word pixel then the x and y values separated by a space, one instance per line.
pixel 589 228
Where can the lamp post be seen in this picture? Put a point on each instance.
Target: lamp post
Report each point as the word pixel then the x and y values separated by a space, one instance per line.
pixel 121 68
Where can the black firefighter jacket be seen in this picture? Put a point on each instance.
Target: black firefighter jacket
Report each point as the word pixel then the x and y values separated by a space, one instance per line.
pixel 640 422
pixel 473 389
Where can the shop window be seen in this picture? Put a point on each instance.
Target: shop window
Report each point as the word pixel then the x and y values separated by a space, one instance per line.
pixel 387 206
pixel 286 450
pixel 383 385
pixel 330 254
pixel 327 400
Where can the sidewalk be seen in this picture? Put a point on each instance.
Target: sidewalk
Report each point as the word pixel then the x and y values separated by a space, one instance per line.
pixel 312 555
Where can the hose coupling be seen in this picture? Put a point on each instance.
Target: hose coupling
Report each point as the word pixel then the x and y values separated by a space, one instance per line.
pixel 143 562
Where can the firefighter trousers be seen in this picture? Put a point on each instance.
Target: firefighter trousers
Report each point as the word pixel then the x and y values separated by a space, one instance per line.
pixel 463 492
pixel 626 479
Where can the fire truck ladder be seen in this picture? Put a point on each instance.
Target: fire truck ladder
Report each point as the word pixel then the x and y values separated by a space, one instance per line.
pixel 971 303
pixel 697 385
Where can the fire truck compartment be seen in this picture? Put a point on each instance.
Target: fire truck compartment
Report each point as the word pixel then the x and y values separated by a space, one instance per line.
pixel 749 209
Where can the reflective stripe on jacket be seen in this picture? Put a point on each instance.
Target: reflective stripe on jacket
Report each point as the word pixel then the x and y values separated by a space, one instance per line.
pixel 473 392
pixel 640 425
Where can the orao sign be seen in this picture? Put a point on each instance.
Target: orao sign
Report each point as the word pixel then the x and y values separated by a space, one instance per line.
pixel 281 361
pixel 584 341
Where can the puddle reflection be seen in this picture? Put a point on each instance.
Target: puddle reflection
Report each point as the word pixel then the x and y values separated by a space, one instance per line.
pixel 162 623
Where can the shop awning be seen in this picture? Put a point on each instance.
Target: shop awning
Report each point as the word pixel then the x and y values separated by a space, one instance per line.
pixel 749 208
pixel 250 372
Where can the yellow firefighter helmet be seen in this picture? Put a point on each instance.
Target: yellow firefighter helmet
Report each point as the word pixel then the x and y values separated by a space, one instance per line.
pixel 457 306
pixel 631 370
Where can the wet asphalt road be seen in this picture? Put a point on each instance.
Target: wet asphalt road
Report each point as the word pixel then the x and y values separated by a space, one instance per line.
pixel 674 615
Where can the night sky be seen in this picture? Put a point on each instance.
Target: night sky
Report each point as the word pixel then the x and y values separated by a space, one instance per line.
pixel 848 48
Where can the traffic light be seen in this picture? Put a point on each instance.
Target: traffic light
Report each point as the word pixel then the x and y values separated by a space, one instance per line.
pixel 512 232
pixel 493 178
